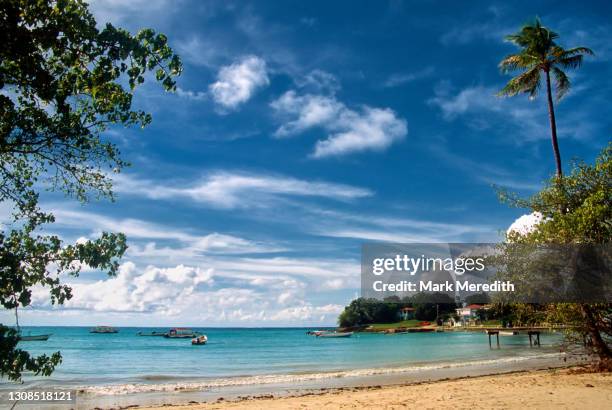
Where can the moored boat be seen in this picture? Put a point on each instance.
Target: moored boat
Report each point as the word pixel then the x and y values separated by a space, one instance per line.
pixel 200 340
pixel 335 334
pixel 34 338
pixel 181 333
pixel 103 329
pixel 317 332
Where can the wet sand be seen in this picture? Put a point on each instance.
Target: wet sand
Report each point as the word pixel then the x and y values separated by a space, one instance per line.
pixel 542 389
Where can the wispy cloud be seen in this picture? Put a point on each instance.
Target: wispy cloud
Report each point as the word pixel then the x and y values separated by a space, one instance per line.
pixel 349 131
pixel 137 229
pixel 191 95
pixel 519 119
pixel 398 79
pixel 225 189
pixel 373 227
pixel 237 82
pixel 318 81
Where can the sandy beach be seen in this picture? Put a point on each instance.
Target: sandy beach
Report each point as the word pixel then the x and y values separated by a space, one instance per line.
pixel 565 388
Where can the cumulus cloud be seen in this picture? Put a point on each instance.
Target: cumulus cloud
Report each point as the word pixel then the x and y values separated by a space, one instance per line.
pixel 194 294
pixel 525 224
pixel 370 129
pixel 225 189
pixel 237 82
pixel 307 313
pixel 151 290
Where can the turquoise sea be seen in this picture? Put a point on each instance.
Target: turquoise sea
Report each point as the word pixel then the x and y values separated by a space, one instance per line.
pixel 125 362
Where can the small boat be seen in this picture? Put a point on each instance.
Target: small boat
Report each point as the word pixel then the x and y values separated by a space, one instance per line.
pixel 317 332
pixel 103 329
pixel 335 334
pixel 33 338
pixel 181 333
pixel 151 333
pixel 200 340
pixel 508 332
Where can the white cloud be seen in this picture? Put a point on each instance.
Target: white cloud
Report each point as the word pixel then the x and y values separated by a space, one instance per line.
pixel 372 129
pixel 238 82
pixel 311 111
pixel 520 117
pixel 526 223
pixel 483 110
pixel 308 313
pixel 375 129
pixel 372 227
pixel 239 190
pixel 191 95
pixel 153 289
pixel 136 229
pixel 318 81
pixel 398 79
pixel 195 295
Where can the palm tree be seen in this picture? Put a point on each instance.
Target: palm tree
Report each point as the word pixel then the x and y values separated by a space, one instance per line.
pixel 540 54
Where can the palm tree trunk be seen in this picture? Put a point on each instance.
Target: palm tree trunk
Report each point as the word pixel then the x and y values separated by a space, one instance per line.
pixel 553 127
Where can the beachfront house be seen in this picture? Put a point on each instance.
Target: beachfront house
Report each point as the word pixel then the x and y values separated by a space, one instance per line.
pixel 406 313
pixel 468 314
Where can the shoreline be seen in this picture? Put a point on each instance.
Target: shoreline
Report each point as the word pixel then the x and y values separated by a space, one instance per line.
pixel 296 387
pixel 568 387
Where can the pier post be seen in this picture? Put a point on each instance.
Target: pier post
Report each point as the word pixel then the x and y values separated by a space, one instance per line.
pixel 490 333
pixel 535 333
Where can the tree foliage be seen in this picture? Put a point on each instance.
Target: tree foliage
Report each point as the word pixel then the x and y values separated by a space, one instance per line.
pixel 63 81
pixel 578 212
pixel 362 311
pixel 539 54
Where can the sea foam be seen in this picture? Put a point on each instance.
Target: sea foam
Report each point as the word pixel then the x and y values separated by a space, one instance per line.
pixel 129 388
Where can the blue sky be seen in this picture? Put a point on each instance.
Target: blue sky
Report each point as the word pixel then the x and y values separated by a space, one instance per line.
pixel 300 130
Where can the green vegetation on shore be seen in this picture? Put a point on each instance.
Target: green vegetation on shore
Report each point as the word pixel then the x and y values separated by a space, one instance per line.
pixel 400 324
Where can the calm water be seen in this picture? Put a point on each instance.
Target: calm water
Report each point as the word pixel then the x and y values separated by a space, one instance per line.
pixel 102 359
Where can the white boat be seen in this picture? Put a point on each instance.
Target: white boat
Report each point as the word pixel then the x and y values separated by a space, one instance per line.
pixel 508 332
pixel 200 340
pixel 317 332
pixel 335 334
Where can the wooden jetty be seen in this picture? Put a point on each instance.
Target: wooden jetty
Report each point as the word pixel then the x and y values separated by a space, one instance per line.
pixel 533 333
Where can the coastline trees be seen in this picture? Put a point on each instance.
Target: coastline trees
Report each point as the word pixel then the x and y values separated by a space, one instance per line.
pixel 428 307
pixel 586 219
pixel 540 54
pixel 63 81
pixel 576 209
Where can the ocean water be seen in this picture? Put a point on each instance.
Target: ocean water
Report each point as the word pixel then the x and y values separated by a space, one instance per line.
pixel 125 362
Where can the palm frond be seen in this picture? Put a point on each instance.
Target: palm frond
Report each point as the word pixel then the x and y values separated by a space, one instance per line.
pixel 527 82
pixel 570 62
pixel 515 62
pixel 562 82
pixel 577 50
